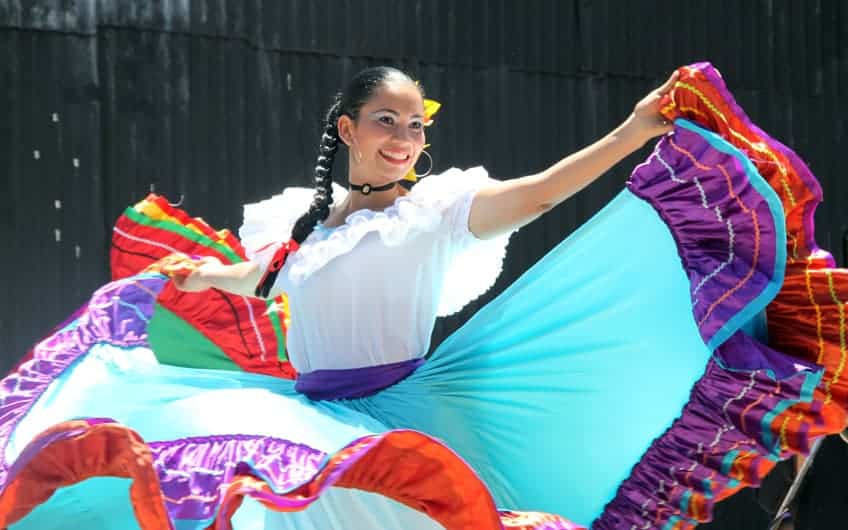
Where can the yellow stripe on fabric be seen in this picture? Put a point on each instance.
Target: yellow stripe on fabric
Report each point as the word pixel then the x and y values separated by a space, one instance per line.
pixel 811 294
pixel 694 110
pixel 842 348
pixel 284 299
pixel 273 313
pixel 702 97
pixel 179 229
pixel 692 507
pixel 799 419
pixel 155 212
pixel 784 444
pixel 759 146
pixel 794 241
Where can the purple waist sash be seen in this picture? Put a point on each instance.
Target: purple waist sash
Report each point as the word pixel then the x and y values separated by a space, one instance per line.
pixel 353 382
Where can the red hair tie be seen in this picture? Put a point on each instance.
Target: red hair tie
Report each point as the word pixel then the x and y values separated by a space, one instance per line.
pixel 277 262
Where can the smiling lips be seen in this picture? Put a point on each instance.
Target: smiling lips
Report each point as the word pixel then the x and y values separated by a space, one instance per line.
pixel 395 158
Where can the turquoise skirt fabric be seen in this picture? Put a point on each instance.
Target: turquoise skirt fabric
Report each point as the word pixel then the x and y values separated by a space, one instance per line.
pixel 573 370
pixel 533 386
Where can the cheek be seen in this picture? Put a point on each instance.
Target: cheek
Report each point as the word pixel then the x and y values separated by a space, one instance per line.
pixel 373 134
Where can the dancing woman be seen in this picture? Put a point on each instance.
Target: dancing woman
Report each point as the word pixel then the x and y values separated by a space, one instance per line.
pixel 611 383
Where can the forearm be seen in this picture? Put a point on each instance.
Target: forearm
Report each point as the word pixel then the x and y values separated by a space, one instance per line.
pixel 578 170
pixel 514 203
pixel 240 278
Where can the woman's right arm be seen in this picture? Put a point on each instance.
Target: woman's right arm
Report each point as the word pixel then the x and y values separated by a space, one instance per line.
pixel 240 278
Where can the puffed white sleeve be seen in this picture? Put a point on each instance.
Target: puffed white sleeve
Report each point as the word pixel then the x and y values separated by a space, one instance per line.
pixel 475 263
pixel 268 224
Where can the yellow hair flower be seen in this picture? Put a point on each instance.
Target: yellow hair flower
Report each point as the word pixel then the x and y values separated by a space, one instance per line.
pixel 431 107
pixel 411 176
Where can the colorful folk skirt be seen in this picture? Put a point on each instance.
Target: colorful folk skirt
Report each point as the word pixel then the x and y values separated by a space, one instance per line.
pixel 665 355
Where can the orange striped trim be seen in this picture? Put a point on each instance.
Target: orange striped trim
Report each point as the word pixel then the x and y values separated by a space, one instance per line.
pixel 747 210
pixel 754 259
pixel 842 346
pixel 793 239
pixel 756 402
pixel 819 322
pixel 694 110
pixel 107 449
pixel 758 146
pixel 784 443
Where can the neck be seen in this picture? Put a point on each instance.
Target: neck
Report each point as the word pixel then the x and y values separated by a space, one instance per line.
pixel 376 200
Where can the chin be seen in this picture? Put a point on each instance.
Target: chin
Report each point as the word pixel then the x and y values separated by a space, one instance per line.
pixel 393 174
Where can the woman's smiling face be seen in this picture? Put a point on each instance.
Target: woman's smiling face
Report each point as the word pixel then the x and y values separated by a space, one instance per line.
pixel 388 135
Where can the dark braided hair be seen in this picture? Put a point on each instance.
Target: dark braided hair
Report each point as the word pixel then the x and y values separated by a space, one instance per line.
pixel 320 207
pixel 347 103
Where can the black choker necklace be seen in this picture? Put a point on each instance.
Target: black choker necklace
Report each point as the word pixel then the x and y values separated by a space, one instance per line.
pixel 366 189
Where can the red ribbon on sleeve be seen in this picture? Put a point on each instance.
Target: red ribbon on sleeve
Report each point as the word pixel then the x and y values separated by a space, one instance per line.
pixel 277 262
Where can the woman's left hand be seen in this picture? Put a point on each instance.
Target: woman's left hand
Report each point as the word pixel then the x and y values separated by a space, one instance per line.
pixel 511 204
pixel 646 122
pixel 191 276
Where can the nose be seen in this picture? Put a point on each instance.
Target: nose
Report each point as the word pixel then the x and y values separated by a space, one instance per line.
pixel 401 133
pixel 404 134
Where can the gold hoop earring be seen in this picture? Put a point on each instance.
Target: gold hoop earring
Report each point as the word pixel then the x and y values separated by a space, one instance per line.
pixel 429 169
pixel 357 154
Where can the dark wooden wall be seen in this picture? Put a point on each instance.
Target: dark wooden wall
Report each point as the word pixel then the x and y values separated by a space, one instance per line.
pixel 219 101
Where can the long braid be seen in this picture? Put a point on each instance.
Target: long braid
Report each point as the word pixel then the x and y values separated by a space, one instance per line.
pixel 320 207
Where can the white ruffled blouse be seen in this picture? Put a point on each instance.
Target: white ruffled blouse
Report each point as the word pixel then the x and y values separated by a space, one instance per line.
pixel 368 292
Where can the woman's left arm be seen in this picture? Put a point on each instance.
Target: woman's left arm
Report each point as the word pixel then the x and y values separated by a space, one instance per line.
pixel 511 204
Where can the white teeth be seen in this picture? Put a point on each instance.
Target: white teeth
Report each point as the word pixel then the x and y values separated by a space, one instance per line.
pixel 394 157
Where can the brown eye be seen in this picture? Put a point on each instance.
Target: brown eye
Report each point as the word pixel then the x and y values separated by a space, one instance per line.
pixel 386 120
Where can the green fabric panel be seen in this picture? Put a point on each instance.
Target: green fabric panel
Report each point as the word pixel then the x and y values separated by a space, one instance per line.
pixel 174 341
pixel 278 330
pixel 182 231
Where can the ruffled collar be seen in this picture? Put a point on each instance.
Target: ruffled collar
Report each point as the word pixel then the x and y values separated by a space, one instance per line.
pixel 409 216
pixel 471 272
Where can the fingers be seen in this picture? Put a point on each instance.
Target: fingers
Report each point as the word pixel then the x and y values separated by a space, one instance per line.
pixel 669 84
pixel 182 275
pixel 179 269
pixel 185 282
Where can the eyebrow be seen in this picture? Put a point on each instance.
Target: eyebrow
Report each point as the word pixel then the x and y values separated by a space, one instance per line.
pixel 394 112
